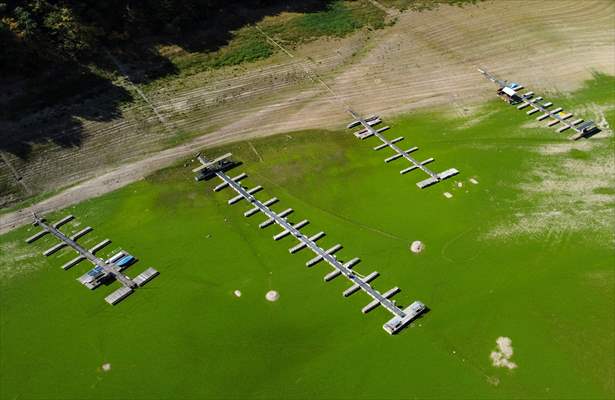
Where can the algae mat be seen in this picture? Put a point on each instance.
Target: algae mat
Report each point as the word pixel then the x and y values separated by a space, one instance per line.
pixel 525 254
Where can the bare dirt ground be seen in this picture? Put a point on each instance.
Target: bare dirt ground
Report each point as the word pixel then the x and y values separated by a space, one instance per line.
pixel 426 59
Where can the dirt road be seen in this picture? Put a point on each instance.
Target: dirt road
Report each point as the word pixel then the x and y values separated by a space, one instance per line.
pixel 426 59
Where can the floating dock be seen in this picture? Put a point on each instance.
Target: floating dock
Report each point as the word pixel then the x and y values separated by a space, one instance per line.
pixel 367 131
pixel 63 221
pixel 102 269
pixel 145 276
pixel 73 262
pixel 401 317
pixel 99 246
pixel 119 295
pixel 556 116
pixel 36 236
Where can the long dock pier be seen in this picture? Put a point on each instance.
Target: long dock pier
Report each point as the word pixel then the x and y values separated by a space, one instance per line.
pixel 509 91
pixel 401 317
pixel 368 130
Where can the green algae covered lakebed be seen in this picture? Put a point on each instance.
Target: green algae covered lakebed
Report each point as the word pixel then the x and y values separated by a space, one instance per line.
pixel 526 253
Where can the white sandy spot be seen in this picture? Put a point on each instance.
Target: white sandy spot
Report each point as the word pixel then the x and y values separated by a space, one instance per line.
pixel 272 295
pixel 501 356
pixel 237 293
pixel 474 181
pixel 448 195
pixel 106 367
pixel 459 184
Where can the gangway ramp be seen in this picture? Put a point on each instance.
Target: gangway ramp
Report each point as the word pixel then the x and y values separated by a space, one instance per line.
pixel 368 131
pixel 359 282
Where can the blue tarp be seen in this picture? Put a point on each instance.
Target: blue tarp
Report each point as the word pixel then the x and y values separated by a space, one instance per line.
pixel 125 261
pixel 95 271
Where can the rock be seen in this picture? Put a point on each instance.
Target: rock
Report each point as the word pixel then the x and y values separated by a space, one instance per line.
pixel 272 295
pixel 417 246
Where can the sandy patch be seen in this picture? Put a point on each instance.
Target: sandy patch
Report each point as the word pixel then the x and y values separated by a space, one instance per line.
pixel 448 195
pixel 476 119
pixel 501 356
pixel 237 293
pixel 16 260
pixel 567 195
pixel 563 148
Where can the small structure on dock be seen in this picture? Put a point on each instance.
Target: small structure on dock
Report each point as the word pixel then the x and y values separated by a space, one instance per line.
pixel 103 271
pixel 509 92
